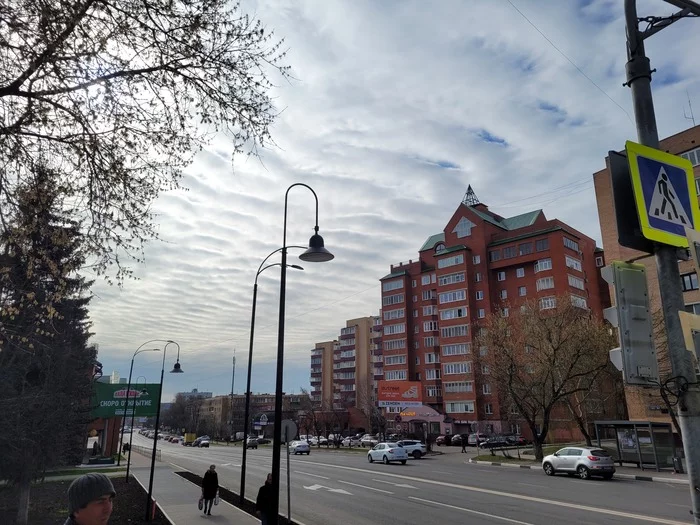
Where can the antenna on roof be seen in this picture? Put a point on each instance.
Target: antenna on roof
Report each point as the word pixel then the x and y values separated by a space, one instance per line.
pixel 691 116
pixel 470 198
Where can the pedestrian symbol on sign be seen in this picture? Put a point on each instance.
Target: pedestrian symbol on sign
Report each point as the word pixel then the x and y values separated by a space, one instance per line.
pixel 664 202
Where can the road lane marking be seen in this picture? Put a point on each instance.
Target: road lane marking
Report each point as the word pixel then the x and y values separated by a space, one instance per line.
pixel 316 487
pixel 404 485
pixel 309 474
pixel 522 497
pixel 364 487
pixel 485 514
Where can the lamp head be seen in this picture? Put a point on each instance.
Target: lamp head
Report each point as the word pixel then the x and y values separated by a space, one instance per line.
pixel 296 266
pixel 177 369
pixel 316 251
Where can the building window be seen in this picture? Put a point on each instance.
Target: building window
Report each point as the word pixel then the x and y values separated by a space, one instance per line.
pixel 417 360
pixel 571 244
pixel 395 375
pixel 477 277
pixel 430 326
pixel 547 303
pixel 451 261
pixel 576 282
pixel 461 330
pixel 429 342
pixel 394 329
pixel 416 329
pixel 463 228
pixel 432 374
pixel 430 310
pixel 509 252
pixel 460 407
pixel 542 245
pixel 457 349
pixel 413 283
pixel 488 409
pixel 392 299
pixel 394 344
pixel 416 345
pixel 415 313
pixel 415 298
pixel 431 358
pixel 599 261
pixel 485 370
pixel 432 278
pixel 505 312
pixel 451 279
pixel 486 388
pixel 481 313
pixel 439 247
pixel 697 186
pixel 542 265
pixel 425 279
pixel 457 368
pixel 459 386
pixel 520 272
pixel 453 313
pixel 693 156
pixel 396 284
pixel 433 391
pixel 501 276
pixel 479 295
pixel 578 301
pixel 690 281
pixel 451 297
pixel 483 351
pixel 394 314
pixel 495 255
pixel 476 259
pixel 504 294
pixel 395 360
pixel 545 283
pixel 522 291
pixel 573 263
pixel 525 248
pixel 429 294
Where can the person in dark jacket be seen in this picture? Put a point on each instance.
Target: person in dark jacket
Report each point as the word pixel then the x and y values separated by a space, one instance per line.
pixel 264 504
pixel 210 486
pixel 90 500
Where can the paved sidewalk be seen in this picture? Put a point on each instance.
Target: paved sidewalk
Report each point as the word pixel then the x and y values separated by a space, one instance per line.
pixel 178 497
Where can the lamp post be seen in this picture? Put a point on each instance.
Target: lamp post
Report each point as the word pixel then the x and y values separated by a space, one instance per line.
pixel 315 253
pixel 131 436
pixel 128 388
pixel 246 413
pixel 230 411
pixel 176 370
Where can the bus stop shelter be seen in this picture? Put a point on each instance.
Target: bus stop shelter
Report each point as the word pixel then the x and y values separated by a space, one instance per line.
pixel 646 443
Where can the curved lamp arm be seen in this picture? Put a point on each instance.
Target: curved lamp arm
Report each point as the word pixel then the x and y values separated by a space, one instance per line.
pixel 260 268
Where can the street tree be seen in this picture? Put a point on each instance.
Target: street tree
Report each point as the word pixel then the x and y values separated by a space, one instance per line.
pixel 311 415
pixel 367 404
pixel 539 358
pixel 46 361
pixel 122 94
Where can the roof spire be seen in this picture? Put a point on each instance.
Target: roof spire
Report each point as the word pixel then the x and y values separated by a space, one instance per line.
pixel 470 198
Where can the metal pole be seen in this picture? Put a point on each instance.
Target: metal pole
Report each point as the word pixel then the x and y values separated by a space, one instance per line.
pixel 653 446
pixel 155 442
pixel 639 80
pixel 233 378
pixel 246 413
pixel 126 408
pixel 289 484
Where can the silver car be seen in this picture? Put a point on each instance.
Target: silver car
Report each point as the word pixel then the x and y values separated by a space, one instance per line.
pixel 387 453
pixel 581 462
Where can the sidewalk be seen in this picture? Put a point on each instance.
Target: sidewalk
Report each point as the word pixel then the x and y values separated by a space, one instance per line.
pixel 178 498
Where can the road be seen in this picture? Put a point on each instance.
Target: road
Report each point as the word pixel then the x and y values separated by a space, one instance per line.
pixel 344 488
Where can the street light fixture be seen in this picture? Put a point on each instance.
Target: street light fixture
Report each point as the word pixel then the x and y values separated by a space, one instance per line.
pixel 131 436
pixel 176 370
pixel 315 253
pixel 246 413
pixel 128 389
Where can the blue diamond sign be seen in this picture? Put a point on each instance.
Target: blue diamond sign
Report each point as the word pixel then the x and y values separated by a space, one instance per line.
pixel 664 192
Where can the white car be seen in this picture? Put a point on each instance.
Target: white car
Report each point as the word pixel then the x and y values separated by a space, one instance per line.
pixel 299 447
pixel 387 453
pixel 583 462
pixel 350 442
pixel 413 448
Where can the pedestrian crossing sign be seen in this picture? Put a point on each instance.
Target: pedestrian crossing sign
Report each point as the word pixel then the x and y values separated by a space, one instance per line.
pixel 664 192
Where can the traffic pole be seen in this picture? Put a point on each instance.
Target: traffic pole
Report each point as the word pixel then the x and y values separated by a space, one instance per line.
pixel 639 72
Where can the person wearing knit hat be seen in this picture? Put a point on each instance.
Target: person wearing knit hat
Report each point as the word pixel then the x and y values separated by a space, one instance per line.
pixel 90 500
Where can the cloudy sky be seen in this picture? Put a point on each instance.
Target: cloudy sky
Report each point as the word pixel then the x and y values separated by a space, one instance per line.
pixel 397 106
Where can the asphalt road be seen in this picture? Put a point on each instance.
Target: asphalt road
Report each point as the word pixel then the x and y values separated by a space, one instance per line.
pixel 330 487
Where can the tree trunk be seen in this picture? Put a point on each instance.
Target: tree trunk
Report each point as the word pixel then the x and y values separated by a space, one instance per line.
pixel 24 487
pixel 581 423
pixel 674 419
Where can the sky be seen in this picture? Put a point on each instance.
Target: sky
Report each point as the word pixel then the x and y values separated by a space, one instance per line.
pixel 395 107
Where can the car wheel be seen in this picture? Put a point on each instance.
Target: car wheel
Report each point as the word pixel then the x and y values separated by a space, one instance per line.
pixel 607 476
pixel 403 461
pixel 369 458
pixel 385 460
pixel 549 469
pixel 417 454
pixel 583 472
pixel 309 452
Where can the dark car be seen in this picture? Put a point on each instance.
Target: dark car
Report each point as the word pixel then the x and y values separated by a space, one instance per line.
pixel 496 442
pixel 440 440
pixel 458 438
pixel 263 441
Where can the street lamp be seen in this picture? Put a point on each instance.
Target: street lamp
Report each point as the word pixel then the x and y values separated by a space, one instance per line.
pixel 128 389
pixel 246 415
pixel 176 370
pixel 315 253
pixel 131 436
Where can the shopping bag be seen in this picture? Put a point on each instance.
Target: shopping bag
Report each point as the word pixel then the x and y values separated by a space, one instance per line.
pixel 201 503
pixel 216 499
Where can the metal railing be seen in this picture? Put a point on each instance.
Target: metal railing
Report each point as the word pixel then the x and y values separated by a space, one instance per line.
pixel 146 451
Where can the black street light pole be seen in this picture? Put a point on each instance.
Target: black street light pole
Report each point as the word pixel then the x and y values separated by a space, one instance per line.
pixel 176 370
pixel 315 253
pixel 246 413
pixel 128 388
pixel 230 411
pixel 131 436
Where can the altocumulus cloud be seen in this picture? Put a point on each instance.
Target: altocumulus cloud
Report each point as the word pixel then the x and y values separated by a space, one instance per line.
pixel 398 107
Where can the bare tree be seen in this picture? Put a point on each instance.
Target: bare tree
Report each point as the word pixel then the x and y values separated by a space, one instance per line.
pixel 665 369
pixel 119 95
pixel 311 415
pixel 539 358
pixel 367 404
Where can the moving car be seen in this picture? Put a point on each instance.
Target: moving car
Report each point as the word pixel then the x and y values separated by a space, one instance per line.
pixel 580 461
pixel 413 448
pixel 299 447
pixel 387 453
pixel 251 442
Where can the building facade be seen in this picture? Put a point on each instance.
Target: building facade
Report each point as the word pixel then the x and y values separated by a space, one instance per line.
pixel 481 263
pixel 195 394
pixel 646 404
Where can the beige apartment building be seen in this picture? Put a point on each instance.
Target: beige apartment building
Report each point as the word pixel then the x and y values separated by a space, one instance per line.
pixel 646 403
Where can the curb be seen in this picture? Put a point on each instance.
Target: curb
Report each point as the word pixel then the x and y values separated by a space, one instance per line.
pixel 160 508
pixel 632 477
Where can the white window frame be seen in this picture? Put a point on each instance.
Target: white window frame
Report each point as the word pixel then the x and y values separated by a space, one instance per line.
pixel 395 375
pixel 461 367
pixel 451 261
pixel 479 295
pixel 451 278
pixel 486 389
pixel 453 313
pixel 501 276
pixel 543 265
pixel 460 330
pixel 459 407
pixel 520 272
pixel 574 263
pixel 432 374
pixel 545 283
pixel 452 296
pixel 548 303
pixel 395 359
pixel 390 329
pixel 522 291
pixel 504 294
pixel 476 259
pixel 388 300
pixel 430 326
pixel 425 279
pixel 481 313
pixel 455 349
pixel 576 282
pixel 395 284
pixel 398 313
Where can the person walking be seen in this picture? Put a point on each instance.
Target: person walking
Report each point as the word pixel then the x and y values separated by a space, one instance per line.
pixel 90 500
pixel 464 444
pixel 263 504
pixel 210 486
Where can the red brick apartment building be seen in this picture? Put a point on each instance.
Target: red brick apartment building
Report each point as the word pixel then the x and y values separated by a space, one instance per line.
pixel 645 404
pixel 478 264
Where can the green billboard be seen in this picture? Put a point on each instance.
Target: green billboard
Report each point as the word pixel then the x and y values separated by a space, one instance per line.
pixel 109 400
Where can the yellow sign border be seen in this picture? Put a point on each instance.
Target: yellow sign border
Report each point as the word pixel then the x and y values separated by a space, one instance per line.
pixel 634 151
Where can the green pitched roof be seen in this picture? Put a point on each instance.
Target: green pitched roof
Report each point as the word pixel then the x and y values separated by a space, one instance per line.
pixel 487 217
pixel 392 275
pixel 521 221
pixel 432 241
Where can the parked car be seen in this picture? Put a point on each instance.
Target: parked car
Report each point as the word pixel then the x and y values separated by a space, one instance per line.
pixel 495 442
pixel 299 447
pixel 441 440
pixel 413 448
pixel 252 442
pixel 263 441
pixel 387 453
pixel 198 442
pixel 351 441
pixel 458 438
pixel 579 461
pixel 369 441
